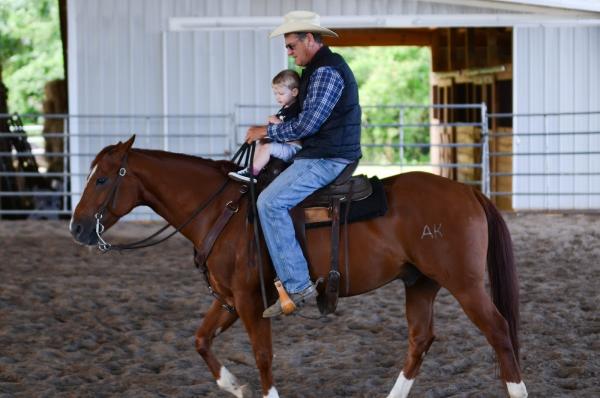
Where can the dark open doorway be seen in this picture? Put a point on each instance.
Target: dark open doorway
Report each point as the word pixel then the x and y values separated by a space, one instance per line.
pixel 469 65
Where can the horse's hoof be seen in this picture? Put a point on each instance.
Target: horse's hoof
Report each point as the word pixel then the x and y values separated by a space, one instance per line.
pixel 228 382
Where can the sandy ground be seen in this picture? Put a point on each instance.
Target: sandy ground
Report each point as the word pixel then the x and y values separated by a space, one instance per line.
pixel 76 323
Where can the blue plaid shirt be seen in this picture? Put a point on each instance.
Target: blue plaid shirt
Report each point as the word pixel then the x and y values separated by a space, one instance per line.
pixel 324 91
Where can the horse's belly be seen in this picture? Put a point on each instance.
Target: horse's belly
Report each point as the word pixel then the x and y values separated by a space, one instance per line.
pixel 372 260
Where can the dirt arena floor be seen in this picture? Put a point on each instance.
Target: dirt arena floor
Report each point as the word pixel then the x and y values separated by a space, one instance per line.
pixel 77 323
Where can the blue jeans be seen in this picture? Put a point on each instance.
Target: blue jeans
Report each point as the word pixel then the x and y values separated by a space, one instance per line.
pixel 295 183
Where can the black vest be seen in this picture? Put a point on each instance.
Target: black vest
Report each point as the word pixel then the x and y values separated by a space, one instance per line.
pixel 284 114
pixel 339 135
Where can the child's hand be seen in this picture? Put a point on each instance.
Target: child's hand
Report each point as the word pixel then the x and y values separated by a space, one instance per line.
pixel 274 119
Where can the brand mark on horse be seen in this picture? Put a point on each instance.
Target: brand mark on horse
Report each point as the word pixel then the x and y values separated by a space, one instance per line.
pixel 437 232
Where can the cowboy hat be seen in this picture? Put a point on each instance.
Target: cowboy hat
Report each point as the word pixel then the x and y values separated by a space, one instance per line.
pixel 301 21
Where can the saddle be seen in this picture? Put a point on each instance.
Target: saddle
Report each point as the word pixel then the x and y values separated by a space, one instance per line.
pixel 329 205
pixel 344 189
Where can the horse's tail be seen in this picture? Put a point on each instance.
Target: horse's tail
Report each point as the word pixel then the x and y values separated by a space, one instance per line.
pixel 502 272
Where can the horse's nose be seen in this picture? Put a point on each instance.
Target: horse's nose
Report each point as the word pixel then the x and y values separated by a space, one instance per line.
pixel 75 228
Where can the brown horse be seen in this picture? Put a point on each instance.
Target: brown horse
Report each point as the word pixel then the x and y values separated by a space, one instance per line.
pixel 446 229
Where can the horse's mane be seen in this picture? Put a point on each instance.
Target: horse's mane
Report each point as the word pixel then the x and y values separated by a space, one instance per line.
pixel 101 154
pixel 225 166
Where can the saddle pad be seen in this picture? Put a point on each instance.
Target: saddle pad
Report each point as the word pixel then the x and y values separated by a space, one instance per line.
pixel 371 207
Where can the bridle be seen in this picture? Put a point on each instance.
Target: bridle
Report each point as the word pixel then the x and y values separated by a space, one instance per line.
pixel 245 154
pixel 104 246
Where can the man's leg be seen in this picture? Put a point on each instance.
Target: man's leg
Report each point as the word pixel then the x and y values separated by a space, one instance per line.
pixel 294 184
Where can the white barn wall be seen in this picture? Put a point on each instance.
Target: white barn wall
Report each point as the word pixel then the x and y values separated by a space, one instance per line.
pixel 123 60
pixel 556 69
pixel 119 52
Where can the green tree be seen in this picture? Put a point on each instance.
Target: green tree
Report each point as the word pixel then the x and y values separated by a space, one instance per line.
pixel 388 76
pixel 392 76
pixel 30 51
pixel 9 45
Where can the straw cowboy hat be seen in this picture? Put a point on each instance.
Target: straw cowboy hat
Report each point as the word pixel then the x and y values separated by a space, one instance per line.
pixel 301 21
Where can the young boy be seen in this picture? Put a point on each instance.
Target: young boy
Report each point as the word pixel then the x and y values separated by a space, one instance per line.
pixel 285 88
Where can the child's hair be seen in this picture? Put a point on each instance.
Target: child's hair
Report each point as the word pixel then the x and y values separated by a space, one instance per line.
pixel 288 78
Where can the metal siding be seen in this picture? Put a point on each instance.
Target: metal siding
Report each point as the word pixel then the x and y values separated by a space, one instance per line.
pixel 580 103
pixel 122 67
pixel 565 59
pixel 384 7
pixel 119 46
pixel 217 88
pixel 551 104
pixel 73 88
pixel 556 70
pixel 536 124
pixel 520 89
pixel 594 100
pixel 350 7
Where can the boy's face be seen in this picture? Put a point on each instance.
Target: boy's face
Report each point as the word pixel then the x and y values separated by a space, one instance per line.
pixel 283 95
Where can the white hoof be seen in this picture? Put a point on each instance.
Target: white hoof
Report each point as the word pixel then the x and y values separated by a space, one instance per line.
pixel 401 388
pixel 272 393
pixel 229 383
pixel 517 390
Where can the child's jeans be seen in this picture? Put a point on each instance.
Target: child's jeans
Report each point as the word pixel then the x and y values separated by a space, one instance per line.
pixel 285 150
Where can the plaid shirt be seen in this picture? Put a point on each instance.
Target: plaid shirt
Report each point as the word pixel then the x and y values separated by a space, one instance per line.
pixel 324 91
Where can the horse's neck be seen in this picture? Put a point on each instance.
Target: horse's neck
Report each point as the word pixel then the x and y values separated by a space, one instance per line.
pixel 174 187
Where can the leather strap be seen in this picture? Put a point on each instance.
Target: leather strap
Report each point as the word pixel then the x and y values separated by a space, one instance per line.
pixel 202 267
pixel 230 209
pixel 335 234
pixel 346 213
pixel 299 220
pixel 332 289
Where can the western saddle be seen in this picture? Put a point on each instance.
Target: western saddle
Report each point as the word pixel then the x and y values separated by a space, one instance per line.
pixel 321 208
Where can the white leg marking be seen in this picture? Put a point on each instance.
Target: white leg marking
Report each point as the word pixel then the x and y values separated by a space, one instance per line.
pixel 272 393
pixel 401 388
pixel 517 390
pixel 229 383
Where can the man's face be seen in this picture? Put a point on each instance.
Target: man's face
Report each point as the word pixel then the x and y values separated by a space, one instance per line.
pixel 298 49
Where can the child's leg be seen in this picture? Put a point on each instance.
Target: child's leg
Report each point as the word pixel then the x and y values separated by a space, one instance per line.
pixel 284 150
pixel 261 156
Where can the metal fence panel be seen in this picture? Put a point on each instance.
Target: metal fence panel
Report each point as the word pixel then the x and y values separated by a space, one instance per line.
pixel 555 158
pixel 408 137
pixel 52 188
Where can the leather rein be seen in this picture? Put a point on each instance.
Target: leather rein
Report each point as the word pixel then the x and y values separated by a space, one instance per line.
pixel 244 154
pixel 104 246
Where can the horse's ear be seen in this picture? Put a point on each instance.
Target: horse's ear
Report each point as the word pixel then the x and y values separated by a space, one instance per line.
pixel 128 144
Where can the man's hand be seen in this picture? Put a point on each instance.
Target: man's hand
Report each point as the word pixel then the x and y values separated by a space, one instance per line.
pixel 274 119
pixel 256 133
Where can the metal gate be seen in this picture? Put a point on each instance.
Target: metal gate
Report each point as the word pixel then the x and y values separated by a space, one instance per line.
pixel 547 161
pixel 62 151
pixel 410 137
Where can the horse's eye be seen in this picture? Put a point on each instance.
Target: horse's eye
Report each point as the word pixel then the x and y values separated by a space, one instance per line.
pixel 101 180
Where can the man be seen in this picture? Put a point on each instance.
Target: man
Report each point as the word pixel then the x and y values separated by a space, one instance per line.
pixel 328 125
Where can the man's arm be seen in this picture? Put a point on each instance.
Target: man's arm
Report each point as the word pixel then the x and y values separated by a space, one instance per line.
pixel 324 91
pixel 256 133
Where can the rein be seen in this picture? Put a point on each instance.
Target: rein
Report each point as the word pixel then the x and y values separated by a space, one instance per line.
pixel 245 154
pixel 104 246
